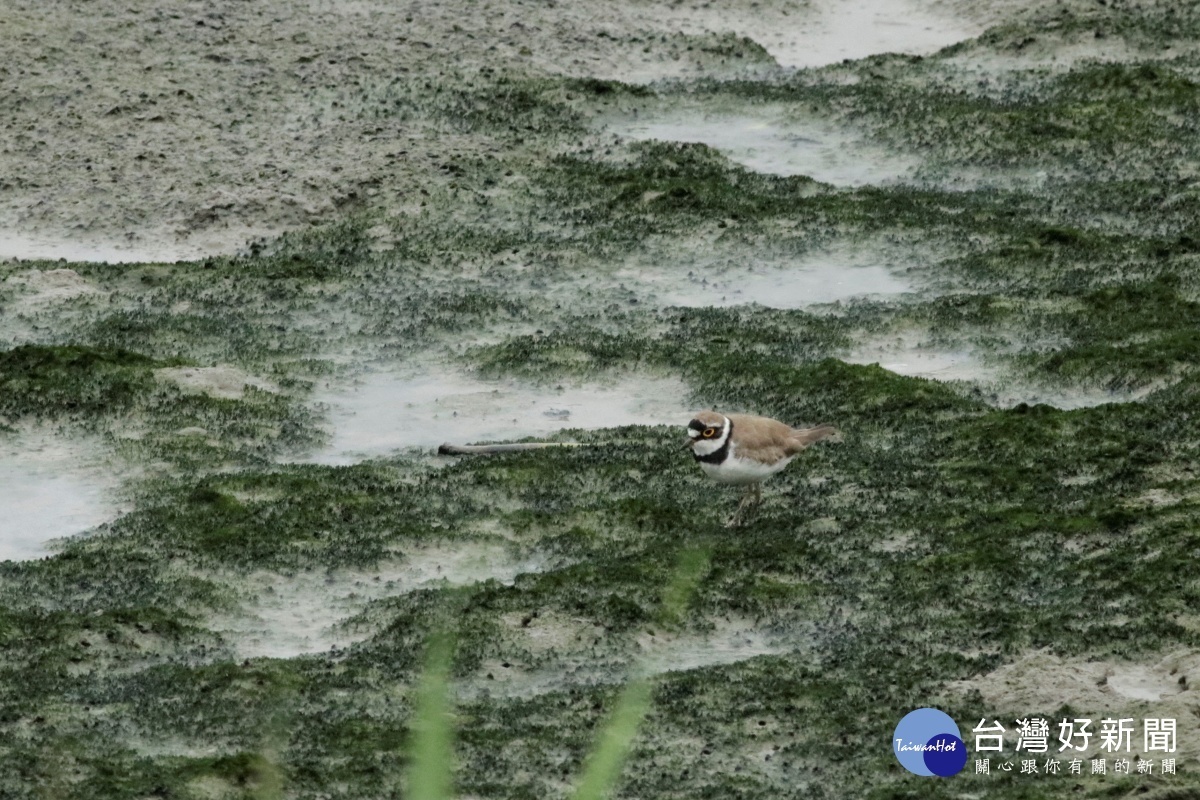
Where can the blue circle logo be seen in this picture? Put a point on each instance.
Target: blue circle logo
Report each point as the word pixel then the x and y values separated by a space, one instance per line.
pixel 927 742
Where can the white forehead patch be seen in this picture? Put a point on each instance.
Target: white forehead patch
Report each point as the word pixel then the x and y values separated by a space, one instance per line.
pixel 692 432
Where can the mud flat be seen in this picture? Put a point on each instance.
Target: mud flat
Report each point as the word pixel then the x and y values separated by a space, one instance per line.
pixel 151 158
pixel 411 224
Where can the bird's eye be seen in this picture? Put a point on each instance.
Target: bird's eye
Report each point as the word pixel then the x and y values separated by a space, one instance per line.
pixel 710 432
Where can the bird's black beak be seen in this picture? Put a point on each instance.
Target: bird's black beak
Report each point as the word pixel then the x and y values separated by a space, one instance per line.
pixel 690 441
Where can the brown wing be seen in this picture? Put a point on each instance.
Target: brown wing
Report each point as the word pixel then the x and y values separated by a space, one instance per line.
pixel 760 438
pixel 767 440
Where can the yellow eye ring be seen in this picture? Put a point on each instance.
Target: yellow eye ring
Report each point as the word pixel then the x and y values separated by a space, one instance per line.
pixel 711 432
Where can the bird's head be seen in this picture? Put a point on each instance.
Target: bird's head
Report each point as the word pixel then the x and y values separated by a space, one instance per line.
pixel 707 432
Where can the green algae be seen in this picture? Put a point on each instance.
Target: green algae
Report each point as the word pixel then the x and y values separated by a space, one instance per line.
pixel 815 706
pixel 1029 523
pixel 41 381
pixel 1130 334
pixel 1151 27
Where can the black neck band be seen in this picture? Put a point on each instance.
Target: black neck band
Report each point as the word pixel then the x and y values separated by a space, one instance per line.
pixel 717 456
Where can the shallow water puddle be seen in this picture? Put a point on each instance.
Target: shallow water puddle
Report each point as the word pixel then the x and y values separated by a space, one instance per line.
pixel 293 615
pixel 48 489
pixel 387 411
pixel 803 33
pixel 776 145
pixel 825 277
pixel 915 361
pixel 836 30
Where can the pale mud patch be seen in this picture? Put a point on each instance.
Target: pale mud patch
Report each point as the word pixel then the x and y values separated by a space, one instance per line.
pixel 389 411
pixel 35 302
pixel 140 248
pixel 730 642
pixel 542 651
pixel 1157 498
pixel 1053 51
pixel 966 178
pixel 1066 399
pixel 571 652
pixel 772 142
pixel 50 488
pixel 546 632
pixel 220 381
pixel 176 747
pixel 36 286
pixel 699 275
pixel 1040 684
pixel 910 355
pixel 284 616
pixel 897 543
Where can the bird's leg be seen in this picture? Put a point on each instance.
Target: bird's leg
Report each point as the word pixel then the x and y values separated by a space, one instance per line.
pixel 751 498
pixel 747 494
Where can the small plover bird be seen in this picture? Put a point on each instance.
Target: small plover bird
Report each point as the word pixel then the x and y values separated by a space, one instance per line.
pixel 744 450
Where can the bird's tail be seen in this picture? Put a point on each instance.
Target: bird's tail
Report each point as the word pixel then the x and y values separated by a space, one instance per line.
pixel 806 436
